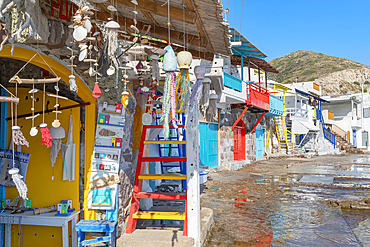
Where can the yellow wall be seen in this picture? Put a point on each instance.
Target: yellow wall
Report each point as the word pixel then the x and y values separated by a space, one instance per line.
pixel 42 190
pixel 24 54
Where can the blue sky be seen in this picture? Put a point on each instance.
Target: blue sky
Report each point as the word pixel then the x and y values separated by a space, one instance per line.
pixel 278 27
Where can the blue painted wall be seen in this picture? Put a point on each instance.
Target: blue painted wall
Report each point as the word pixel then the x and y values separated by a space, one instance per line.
pixel 259 143
pixel 3 132
pixel 208 144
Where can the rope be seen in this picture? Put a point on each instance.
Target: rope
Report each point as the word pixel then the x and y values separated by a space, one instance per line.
pixel 46 64
pixel 168 22
pixel 7 90
pixel 43 106
pixel 11 109
pixel 26 64
pixel 16 106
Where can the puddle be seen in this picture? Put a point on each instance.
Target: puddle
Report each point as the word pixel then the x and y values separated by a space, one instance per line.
pixel 253 209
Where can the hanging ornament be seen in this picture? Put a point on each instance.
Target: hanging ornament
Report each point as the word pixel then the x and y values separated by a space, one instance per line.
pixel 18 137
pixel 169 100
pixel 125 94
pixel 57 134
pixel 212 107
pixel 196 92
pixel 112 33
pixel 46 138
pixel 19 183
pixel 184 59
pixel 96 92
pixel 34 130
pixel 205 93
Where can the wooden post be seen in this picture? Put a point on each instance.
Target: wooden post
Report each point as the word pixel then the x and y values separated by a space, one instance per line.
pixel 192 171
pixel 259 75
pixel 249 70
pixel 242 67
pixel 9 99
pixel 266 80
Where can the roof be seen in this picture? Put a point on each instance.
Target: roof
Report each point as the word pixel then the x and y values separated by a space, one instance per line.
pixel 255 63
pixel 282 87
pixel 242 46
pixel 311 95
pixel 206 33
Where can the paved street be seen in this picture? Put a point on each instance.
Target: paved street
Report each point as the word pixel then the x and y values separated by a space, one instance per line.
pixel 320 201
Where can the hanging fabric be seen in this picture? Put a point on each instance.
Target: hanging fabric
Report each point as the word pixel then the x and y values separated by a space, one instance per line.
pixel 69 154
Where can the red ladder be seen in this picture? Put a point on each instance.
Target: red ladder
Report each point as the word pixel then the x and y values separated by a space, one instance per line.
pixel 135 214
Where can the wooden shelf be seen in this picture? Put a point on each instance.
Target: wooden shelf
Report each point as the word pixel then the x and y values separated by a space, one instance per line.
pixel 113 125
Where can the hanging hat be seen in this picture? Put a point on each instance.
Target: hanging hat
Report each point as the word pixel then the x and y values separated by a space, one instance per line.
pixel 57 133
pixel 96 92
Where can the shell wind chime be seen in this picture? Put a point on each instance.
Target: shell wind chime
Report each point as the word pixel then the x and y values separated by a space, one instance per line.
pixel 34 130
pixel 82 26
pixel 169 99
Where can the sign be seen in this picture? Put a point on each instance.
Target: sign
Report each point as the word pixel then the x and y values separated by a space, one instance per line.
pixel 59 9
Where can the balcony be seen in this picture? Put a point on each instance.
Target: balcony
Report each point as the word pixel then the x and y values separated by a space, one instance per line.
pixel 257 97
pixel 233 82
pixel 276 106
pixel 297 112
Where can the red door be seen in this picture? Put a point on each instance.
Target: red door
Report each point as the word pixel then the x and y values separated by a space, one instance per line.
pixel 239 141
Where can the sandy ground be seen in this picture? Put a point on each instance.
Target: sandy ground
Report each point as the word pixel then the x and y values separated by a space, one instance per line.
pixel 320 201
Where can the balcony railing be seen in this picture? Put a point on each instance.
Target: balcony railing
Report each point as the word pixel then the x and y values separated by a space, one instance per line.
pixel 276 106
pixel 258 96
pixel 329 136
pixel 298 112
pixel 233 82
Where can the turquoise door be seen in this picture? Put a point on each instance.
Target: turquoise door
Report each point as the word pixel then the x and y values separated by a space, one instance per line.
pixel 208 144
pixel 259 143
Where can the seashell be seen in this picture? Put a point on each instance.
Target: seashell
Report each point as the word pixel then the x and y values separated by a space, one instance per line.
pixel 56 88
pixel 85 8
pixel 96 48
pixel 111 70
pixel 82 55
pixel 112 24
pixel 87 25
pixel 80 33
pixel 33 131
pixel 96 33
pixel 43 125
pixel 56 123
pixel 35 90
pixel 112 8
pixel 135 12
pixel 90 47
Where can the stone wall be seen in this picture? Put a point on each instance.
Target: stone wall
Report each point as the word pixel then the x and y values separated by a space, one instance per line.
pixel 226 148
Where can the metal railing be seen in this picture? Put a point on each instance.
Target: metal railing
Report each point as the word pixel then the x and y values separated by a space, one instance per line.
pixel 233 82
pixel 292 138
pixel 258 96
pixel 297 112
pixel 329 135
pixel 276 105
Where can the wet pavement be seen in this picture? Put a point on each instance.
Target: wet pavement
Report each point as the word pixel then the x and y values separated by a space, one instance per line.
pixel 291 202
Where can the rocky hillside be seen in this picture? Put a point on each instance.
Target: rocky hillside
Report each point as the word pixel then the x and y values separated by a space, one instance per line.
pixel 335 75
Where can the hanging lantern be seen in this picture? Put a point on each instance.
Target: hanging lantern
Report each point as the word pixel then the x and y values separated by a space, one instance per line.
pixel 19 183
pixel 96 92
pixel 184 59
pixel 196 92
pixel 169 99
pixel 46 138
pixel 212 108
pixel 18 137
pixel 205 94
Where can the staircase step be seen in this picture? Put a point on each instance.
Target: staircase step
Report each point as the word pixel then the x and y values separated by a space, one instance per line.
pixel 165 142
pixel 151 215
pixel 163 176
pixel 161 195
pixel 163 159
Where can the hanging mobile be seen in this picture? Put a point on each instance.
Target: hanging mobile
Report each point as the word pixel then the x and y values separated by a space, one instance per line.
pixel 96 92
pixel 46 138
pixel 34 130
pixel 72 78
pixel 17 134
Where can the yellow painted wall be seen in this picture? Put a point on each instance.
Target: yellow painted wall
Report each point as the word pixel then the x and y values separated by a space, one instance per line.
pixel 42 190
pixel 84 92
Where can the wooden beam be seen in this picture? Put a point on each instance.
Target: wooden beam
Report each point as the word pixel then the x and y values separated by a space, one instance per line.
pixel 32 81
pixel 158 9
pixel 161 32
pixel 9 99
pixel 149 17
pixel 192 172
pixel 259 120
pixel 239 118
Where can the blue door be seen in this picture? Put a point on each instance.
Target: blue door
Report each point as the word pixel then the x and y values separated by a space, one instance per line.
pixel 259 143
pixel 354 138
pixel 208 144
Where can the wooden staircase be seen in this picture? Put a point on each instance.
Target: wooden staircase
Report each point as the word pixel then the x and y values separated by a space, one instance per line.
pixel 281 133
pixel 135 214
